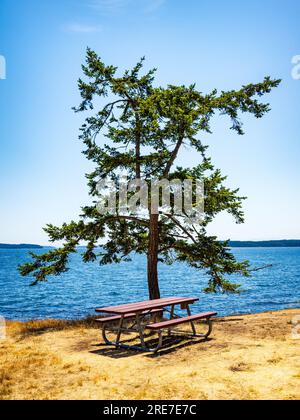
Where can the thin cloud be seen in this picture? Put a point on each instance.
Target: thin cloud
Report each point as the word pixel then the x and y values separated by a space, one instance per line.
pixel 81 28
pixel 153 5
pixel 109 6
pixel 117 6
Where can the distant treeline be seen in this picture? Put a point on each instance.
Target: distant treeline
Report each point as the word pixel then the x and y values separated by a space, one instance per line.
pixel 266 244
pixel 20 246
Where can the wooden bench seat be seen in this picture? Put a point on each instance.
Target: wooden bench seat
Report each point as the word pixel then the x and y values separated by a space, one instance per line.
pixel 127 316
pixel 177 321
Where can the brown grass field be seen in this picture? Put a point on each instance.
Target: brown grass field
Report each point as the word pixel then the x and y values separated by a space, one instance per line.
pixel 247 357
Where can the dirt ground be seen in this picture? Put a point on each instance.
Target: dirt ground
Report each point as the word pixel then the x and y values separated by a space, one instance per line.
pixel 247 357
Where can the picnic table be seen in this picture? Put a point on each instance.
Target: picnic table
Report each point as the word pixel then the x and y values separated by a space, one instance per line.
pixel 149 315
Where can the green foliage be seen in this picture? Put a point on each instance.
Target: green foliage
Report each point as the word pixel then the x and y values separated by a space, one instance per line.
pixel 145 128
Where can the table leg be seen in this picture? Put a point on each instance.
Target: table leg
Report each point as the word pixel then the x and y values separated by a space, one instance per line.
pixel 171 317
pixel 120 330
pixel 140 330
pixel 192 323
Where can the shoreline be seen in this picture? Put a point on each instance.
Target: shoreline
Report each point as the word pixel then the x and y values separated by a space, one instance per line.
pixel 250 356
pixel 90 317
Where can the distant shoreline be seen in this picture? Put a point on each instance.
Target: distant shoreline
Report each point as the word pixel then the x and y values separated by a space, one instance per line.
pixel 20 246
pixel 285 243
pixel 282 243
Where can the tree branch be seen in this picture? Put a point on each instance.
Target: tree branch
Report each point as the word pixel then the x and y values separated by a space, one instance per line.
pixel 173 157
pixel 181 227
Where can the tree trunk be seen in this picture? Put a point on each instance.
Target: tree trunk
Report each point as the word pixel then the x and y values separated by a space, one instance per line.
pixel 153 286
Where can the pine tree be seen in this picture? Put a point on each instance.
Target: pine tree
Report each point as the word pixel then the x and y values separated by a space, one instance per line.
pixel 146 128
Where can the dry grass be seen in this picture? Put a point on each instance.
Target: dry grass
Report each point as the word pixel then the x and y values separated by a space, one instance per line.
pixel 248 357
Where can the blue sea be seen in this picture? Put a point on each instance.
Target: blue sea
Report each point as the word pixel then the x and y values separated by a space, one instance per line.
pixel 84 287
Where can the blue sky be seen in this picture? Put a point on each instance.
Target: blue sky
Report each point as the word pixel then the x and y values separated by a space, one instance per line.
pixel 213 43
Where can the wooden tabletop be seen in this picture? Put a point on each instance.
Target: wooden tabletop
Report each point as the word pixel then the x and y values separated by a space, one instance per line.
pixel 138 307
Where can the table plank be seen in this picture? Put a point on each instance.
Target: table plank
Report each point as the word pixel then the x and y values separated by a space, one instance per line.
pixel 138 307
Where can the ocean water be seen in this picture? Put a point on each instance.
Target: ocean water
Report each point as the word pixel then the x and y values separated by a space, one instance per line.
pixel 84 287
